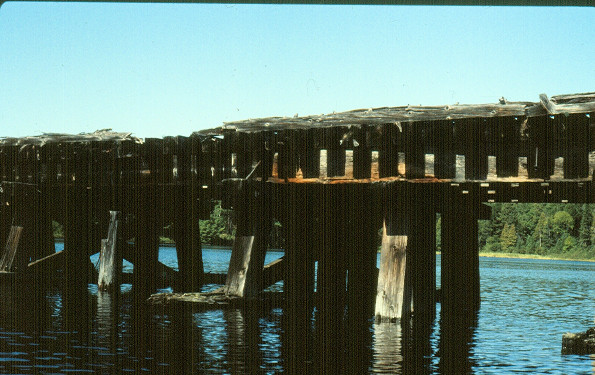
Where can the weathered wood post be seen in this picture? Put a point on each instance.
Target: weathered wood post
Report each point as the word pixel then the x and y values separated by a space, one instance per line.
pixel 110 256
pixel 253 217
pixel 393 298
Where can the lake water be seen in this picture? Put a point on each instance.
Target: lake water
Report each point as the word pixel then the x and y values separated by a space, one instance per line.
pixel 526 306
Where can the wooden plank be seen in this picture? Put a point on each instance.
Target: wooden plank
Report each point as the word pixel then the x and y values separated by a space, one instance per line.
pixel 576 145
pixel 335 155
pixel 10 249
pixel 414 149
pixel 476 158
pixel 288 161
pixel 444 154
pixel 110 257
pixel 388 156
pixel 362 153
pixel 310 154
pixel 51 262
pixel 379 116
pixel 243 151
pixel 266 153
pixel 507 139
pixel 540 158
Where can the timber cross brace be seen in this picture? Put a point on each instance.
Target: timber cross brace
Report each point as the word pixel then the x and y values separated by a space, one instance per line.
pixel 333 181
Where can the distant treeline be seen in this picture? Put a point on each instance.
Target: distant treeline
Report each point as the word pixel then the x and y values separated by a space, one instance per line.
pixel 566 230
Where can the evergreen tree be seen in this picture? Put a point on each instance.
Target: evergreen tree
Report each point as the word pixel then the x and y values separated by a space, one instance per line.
pixel 508 238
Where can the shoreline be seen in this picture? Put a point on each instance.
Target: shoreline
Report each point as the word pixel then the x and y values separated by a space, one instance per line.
pixel 481 253
pixel 531 256
pixel 487 254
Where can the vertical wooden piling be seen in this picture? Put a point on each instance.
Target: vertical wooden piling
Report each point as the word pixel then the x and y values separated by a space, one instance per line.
pixel 421 250
pixel 186 219
pixel 361 232
pixel 298 222
pixel 362 154
pixel 506 147
pixel 110 256
pixel 77 224
pixel 476 158
pixel 444 146
pixel 388 156
pixel 414 149
pixel 331 283
pixel 460 253
pixel 335 156
pixel 393 293
pixel 393 296
pixel 576 142
pixel 147 210
pixel 288 161
pixel 542 148
pixel 244 276
pixel 309 153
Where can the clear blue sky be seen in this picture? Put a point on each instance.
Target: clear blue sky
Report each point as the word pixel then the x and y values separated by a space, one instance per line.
pixel 171 69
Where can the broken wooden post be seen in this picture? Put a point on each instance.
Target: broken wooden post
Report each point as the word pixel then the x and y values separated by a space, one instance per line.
pixel 393 297
pixel 244 276
pixel 110 257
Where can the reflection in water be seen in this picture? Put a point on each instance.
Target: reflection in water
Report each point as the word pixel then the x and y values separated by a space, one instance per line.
pixel 457 330
pixel 43 332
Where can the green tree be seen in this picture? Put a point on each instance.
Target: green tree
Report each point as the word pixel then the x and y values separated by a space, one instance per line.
pixel 508 238
pixel 562 223
pixel 584 231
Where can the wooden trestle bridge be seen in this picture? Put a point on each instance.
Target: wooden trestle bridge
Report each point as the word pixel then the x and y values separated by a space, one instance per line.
pixel 333 181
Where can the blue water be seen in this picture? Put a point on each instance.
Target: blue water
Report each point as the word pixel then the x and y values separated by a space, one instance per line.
pixel 526 306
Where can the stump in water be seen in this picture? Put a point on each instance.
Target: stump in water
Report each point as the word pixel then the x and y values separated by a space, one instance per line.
pixel 579 343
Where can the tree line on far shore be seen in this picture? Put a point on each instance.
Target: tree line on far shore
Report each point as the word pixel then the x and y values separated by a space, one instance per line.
pixel 563 230
pixel 566 230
